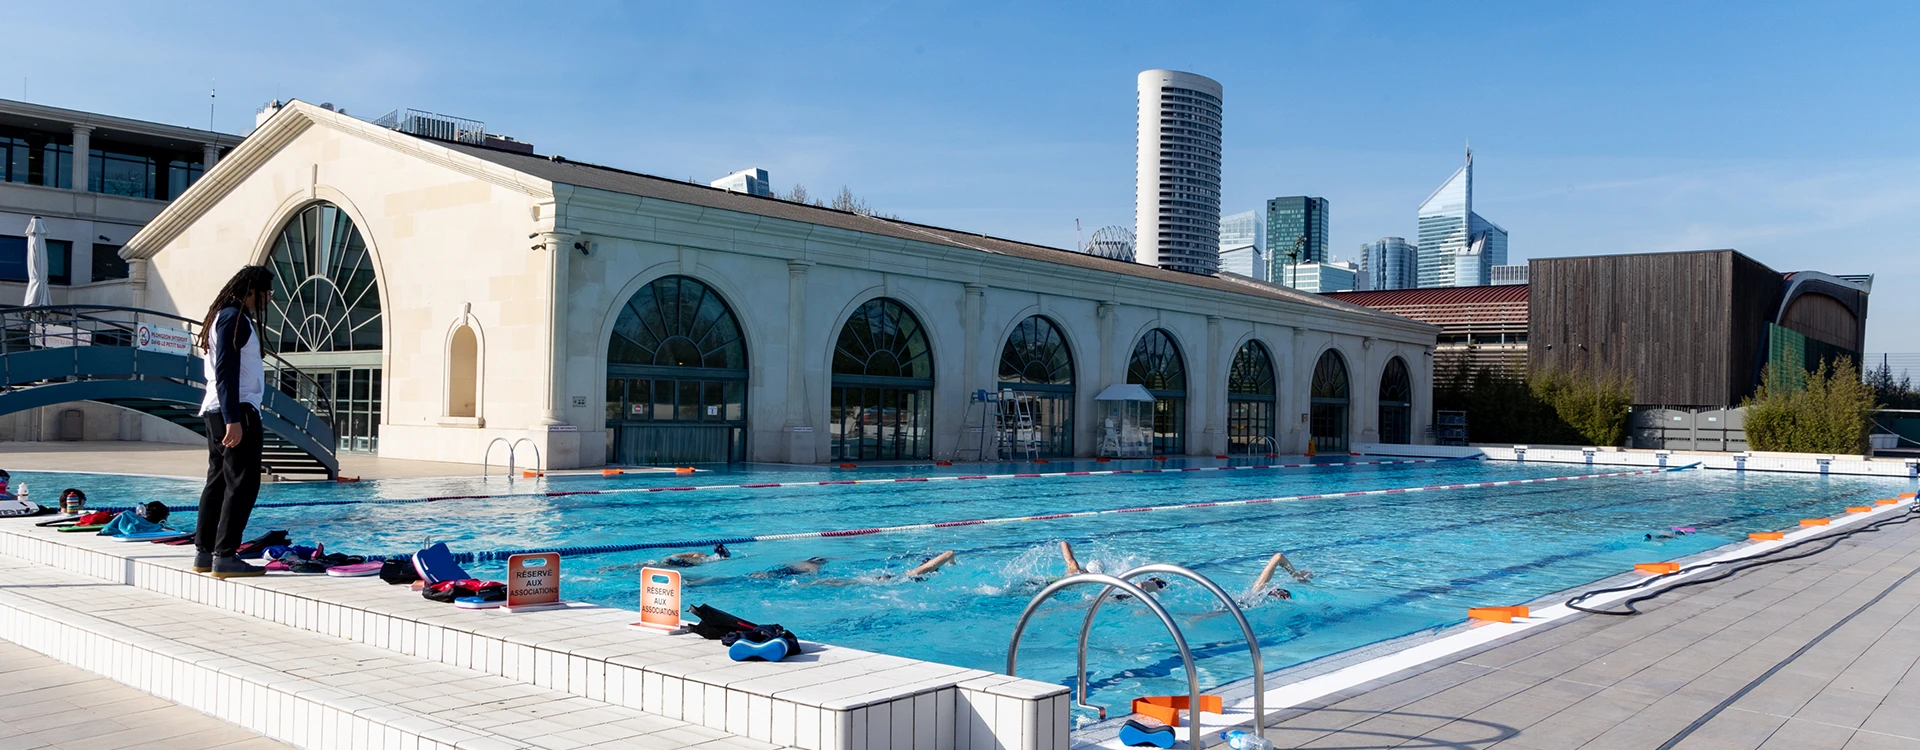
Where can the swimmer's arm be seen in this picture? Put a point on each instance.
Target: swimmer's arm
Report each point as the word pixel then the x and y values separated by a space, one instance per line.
pixel 1266 575
pixel 1073 566
pixel 930 566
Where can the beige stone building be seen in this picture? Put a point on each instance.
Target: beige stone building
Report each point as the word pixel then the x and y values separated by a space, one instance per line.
pixel 450 293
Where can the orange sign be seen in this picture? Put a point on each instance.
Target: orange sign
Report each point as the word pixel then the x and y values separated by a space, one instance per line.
pixel 533 581
pixel 659 599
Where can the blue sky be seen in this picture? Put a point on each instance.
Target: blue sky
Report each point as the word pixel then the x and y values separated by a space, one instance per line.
pixel 1784 131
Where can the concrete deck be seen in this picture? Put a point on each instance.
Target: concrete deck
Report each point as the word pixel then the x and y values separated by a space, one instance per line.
pixel 1639 682
pixel 49 704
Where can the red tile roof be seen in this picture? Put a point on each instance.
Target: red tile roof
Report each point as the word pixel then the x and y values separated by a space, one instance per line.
pixel 1459 295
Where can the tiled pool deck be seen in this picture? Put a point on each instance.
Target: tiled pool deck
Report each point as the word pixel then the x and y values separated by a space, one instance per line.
pixel 1636 682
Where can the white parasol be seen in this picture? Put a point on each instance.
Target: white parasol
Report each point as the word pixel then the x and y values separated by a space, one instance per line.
pixel 38 293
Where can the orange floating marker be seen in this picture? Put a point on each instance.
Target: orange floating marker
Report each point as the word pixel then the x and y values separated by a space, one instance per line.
pixel 346 479
pixel 683 470
pixel 1159 458
pixel 1496 614
pixel 1657 568
pixel 532 474
pixel 1814 522
pixel 611 472
pixel 1167 708
pixel 848 466
pixel 943 463
pixel 1041 461
pixel 1767 536
pixel 1909 495
pixel 1860 509
pixel 1219 456
pixel 1887 501
pixel 1103 460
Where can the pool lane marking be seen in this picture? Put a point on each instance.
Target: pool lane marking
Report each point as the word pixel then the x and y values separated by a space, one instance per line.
pixel 838 533
pixel 959 478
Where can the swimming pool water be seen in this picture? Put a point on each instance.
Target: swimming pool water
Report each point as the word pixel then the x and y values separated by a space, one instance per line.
pixel 1385 565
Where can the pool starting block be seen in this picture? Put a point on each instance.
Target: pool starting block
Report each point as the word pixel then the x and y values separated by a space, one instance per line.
pixel 1497 614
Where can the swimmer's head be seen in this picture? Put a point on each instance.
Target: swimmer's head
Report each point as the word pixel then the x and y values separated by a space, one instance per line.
pixel 721 550
pixel 1649 537
pixel 817 560
pixel 1155 583
pixel 1280 594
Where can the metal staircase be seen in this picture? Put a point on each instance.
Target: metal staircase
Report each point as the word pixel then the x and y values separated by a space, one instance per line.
pixel 66 353
pixel 1123 583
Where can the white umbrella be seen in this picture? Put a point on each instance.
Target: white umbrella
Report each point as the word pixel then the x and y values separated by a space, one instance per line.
pixel 38 294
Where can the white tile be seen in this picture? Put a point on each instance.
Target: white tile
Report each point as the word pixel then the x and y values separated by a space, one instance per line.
pixel 902 723
pixel 781 730
pixel 946 730
pixel 713 704
pixel 925 720
pixel 673 699
pixel 596 680
pixel 806 727
pixel 736 719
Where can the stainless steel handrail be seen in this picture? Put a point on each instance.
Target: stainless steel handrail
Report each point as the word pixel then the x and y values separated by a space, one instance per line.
pixel 1233 608
pixel 1111 583
pixel 539 464
pixel 486 459
pixel 1275 445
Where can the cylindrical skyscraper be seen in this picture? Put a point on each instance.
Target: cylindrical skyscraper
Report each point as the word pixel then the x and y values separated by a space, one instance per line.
pixel 1176 209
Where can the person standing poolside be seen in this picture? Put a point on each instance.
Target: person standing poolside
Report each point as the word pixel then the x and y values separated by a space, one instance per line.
pixel 230 343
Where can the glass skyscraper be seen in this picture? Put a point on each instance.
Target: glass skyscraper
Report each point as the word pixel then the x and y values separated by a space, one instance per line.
pixel 1288 220
pixel 1390 263
pixel 1243 244
pixel 1457 246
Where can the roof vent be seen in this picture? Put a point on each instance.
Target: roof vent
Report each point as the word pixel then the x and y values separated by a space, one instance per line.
pixel 435 125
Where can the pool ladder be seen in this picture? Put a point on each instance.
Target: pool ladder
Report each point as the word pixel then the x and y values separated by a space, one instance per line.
pixel 1123 583
pixel 513 448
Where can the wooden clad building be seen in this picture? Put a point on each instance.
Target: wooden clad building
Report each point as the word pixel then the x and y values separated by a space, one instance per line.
pixel 1691 329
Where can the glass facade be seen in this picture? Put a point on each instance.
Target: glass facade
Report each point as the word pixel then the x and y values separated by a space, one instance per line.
pixel 1156 364
pixel 13 260
pixel 1180 138
pixel 1389 263
pixel 1320 278
pixel 1458 247
pixel 325 317
pixel 107 263
pixel 1035 362
pixel 1396 403
pixel 676 377
pixel 1250 400
pixel 1327 419
pixel 1295 222
pixel 882 396
pixel 35 158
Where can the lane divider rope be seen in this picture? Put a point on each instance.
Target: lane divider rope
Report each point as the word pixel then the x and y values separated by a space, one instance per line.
pixel 480 557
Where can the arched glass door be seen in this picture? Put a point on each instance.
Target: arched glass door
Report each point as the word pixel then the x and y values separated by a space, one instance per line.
pixel 1156 364
pixel 1396 403
pixel 882 396
pixel 325 318
pixel 676 377
pixel 1035 363
pixel 1250 400
pixel 1328 420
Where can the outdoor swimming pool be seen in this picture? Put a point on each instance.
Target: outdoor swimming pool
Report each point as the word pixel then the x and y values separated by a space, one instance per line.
pixel 1386 565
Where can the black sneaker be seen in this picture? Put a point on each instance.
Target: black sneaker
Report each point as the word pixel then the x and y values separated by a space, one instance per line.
pixel 234 567
pixel 202 562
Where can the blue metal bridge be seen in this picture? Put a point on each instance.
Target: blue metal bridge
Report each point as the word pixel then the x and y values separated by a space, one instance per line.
pixel 66 353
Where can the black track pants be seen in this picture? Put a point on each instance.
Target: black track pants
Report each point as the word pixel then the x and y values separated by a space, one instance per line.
pixel 233 482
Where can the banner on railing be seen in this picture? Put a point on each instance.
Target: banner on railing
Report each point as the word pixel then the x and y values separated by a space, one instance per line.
pixel 165 340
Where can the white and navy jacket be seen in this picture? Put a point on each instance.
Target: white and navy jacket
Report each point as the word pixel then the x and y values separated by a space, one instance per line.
pixel 232 369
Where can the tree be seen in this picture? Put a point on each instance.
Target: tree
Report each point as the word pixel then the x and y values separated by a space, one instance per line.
pixel 1831 413
pixel 799 194
pixel 1594 405
pixel 1894 394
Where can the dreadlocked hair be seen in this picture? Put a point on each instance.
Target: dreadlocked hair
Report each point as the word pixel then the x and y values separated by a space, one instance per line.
pixel 247 280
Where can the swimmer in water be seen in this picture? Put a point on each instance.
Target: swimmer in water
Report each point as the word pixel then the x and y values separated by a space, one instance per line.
pixel 931 566
pixel 1279 561
pixel 1073 565
pixel 808 566
pixel 1678 531
pixel 690 559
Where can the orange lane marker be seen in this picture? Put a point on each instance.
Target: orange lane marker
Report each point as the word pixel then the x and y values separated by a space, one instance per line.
pixel 1887 501
pixel 683 470
pixel 611 472
pixel 1659 567
pixel 1496 614
pixel 532 474
pixel 1767 536
pixel 1909 495
pixel 1814 522
pixel 1860 509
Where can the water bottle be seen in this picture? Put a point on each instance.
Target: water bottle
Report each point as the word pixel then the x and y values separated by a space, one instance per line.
pixel 1239 739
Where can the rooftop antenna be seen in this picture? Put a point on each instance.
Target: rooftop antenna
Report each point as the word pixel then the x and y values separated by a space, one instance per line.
pixel 213 92
pixel 1077 242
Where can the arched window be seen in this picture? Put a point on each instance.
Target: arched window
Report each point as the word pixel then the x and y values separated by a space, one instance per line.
pixel 882 399
pixel 1037 367
pixel 1250 400
pixel 1156 364
pixel 1396 403
pixel 463 374
pixel 1330 399
pixel 325 318
pixel 676 377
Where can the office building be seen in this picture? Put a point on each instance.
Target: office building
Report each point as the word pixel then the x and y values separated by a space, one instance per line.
pixel 567 327
pixel 1505 275
pixel 127 171
pixel 1321 278
pixel 749 181
pixel 1389 263
pixel 1243 241
pixel 1457 246
pixel 1481 327
pixel 1177 177
pixel 1296 231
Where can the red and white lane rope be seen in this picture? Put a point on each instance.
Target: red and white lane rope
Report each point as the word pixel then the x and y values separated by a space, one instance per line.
pixel 695 543
pixel 948 478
